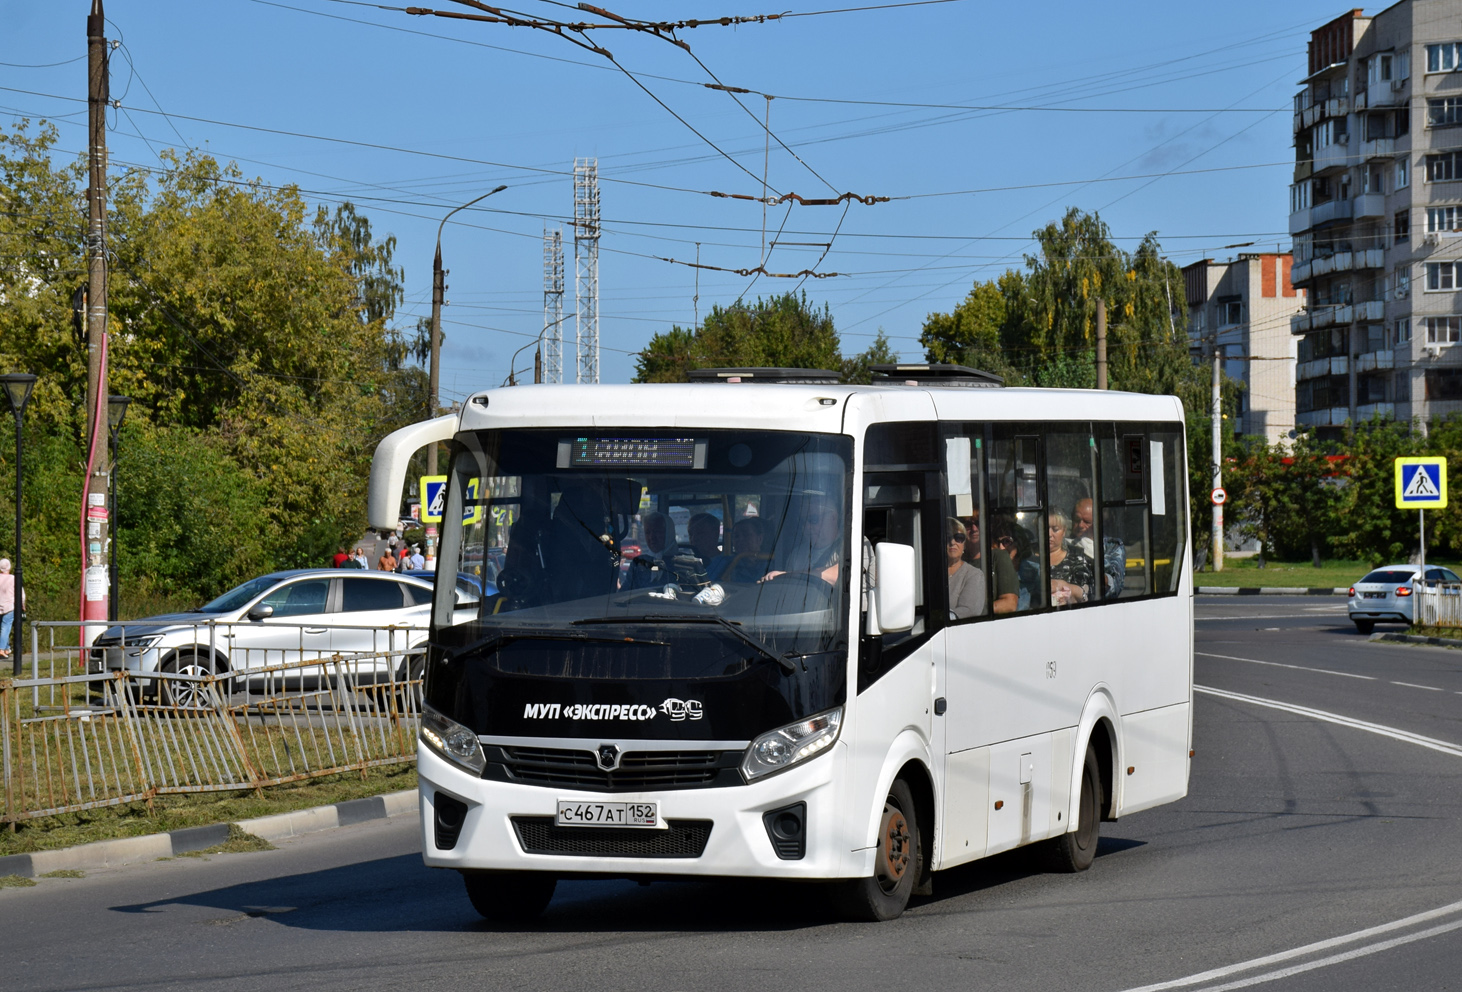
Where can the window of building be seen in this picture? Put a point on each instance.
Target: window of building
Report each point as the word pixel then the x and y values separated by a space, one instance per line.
pixel 1443 330
pixel 1373 180
pixel 1399 283
pixel 1379 69
pixel 1230 312
pixel 1401 388
pixel 1398 333
pixel 1444 384
pixel 1401 228
pixel 1442 111
pixel 1299 197
pixel 1443 220
pixel 1402 121
pixel 1403 173
pixel 1445 57
pixel 1440 276
pixel 1444 167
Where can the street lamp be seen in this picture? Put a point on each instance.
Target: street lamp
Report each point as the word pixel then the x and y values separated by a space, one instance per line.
pixel 116 412
pixel 17 387
pixel 438 292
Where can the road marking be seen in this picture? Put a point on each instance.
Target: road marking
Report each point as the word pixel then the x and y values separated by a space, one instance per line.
pixel 1322 945
pixel 1263 616
pixel 1431 743
pixel 1413 685
pixel 1279 664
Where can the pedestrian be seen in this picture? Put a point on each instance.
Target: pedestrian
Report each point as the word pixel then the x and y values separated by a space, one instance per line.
pixel 340 557
pixel 417 562
pixel 391 541
pixel 360 558
pixel 387 562
pixel 7 606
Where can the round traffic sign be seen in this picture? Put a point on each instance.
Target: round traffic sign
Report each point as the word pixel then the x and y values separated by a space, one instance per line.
pixel 1218 496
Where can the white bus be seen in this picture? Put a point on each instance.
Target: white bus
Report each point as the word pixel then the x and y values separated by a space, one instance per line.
pixel 764 624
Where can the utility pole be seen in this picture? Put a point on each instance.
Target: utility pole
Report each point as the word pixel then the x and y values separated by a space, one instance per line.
pixel 1217 452
pixel 1101 356
pixel 438 295
pixel 95 582
pixel 586 268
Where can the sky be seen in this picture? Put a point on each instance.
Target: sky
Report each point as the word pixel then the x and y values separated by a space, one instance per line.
pixel 981 122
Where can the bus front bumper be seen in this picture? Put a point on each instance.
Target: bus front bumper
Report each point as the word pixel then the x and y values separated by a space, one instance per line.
pixel 738 843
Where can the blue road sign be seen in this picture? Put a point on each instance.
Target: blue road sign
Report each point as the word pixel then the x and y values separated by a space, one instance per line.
pixel 1421 483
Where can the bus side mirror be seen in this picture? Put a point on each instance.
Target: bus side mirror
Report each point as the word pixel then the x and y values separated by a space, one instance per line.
pixel 894 594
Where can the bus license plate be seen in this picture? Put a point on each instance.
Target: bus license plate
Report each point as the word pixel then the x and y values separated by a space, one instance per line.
pixel 578 814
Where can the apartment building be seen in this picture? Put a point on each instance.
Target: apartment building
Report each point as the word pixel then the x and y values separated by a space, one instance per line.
pixel 1244 307
pixel 1376 216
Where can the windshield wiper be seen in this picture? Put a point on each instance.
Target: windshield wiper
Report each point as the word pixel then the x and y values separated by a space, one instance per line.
pixel 504 635
pixel 730 625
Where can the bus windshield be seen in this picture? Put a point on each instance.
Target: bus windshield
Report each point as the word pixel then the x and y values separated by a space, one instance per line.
pixel 669 554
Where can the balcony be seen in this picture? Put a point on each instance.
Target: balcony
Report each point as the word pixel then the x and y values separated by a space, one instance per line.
pixel 1378 148
pixel 1335 155
pixel 1369 205
pixel 1300 273
pixel 1388 94
pixel 1312 114
pixel 1372 311
pixel 1337 106
pixel 1368 411
pixel 1341 261
pixel 1336 416
pixel 1362 99
pixel 1376 361
pixel 1320 367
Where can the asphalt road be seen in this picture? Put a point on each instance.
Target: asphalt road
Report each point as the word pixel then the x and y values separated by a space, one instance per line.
pixel 1316 851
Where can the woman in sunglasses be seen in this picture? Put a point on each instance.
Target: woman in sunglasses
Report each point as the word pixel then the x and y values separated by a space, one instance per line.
pixel 966 583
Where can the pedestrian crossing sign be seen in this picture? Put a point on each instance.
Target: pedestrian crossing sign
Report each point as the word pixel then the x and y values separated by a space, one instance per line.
pixel 434 500
pixel 1421 483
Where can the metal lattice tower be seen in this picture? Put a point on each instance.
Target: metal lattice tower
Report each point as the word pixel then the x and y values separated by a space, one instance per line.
pixel 586 267
pixel 553 305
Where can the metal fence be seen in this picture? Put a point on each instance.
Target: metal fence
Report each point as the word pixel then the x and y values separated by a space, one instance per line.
pixel 1439 604
pixel 86 728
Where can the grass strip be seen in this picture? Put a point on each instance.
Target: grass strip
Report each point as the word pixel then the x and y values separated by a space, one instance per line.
pixel 49 833
pixel 16 882
pixel 1245 573
pixel 240 841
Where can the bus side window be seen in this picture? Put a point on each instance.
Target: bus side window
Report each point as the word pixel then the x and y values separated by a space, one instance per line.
pixel 1124 456
pixel 1165 452
pixel 1017 515
pixel 967 545
pixel 1076 556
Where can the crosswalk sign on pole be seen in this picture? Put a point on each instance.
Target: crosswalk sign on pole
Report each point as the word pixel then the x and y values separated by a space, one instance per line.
pixel 1421 483
pixel 433 498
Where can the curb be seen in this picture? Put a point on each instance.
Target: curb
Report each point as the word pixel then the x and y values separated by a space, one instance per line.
pixel 1436 642
pixel 1267 591
pixel 280 826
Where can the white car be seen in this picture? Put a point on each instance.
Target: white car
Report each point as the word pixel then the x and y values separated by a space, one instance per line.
pixel 278 619
pixel 1387 594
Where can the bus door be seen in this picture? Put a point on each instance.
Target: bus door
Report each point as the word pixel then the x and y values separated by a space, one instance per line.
pixel 901 674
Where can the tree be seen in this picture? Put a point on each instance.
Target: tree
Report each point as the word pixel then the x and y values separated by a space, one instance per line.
pixel 782 332
pixel 258 348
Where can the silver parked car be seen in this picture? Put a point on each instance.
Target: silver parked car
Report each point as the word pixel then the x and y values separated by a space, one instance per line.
pixel 1387 594
pixel 279 619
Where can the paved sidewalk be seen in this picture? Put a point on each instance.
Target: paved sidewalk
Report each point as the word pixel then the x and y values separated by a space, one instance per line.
pixel 279 826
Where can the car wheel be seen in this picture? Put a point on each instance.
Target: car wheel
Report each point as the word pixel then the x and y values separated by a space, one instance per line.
pixel 509 896
pixel 897 865
pixel 1365 626
pixel 182 693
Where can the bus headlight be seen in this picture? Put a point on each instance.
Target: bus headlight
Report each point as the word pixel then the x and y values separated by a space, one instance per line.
pixel 792 744
pixel 452 740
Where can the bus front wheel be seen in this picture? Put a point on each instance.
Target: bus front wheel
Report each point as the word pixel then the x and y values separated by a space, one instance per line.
pixel 898 862
pixel 1075 850
pixel 509 896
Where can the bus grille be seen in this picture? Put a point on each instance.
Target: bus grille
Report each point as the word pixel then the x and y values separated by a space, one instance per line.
pixel 638 771
pixel 682 839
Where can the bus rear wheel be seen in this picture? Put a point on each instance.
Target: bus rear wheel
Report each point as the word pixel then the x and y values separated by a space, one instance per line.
pixel 898 863
pixel 1075 850
pixel 509 896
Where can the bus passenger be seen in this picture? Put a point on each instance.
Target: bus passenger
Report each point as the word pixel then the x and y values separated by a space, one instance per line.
pixel 744 560
pixel 1015 541
pixel 1114 552
pixel 704 531
pixel 1002 569
pixel 966 583
pixel 1072 572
